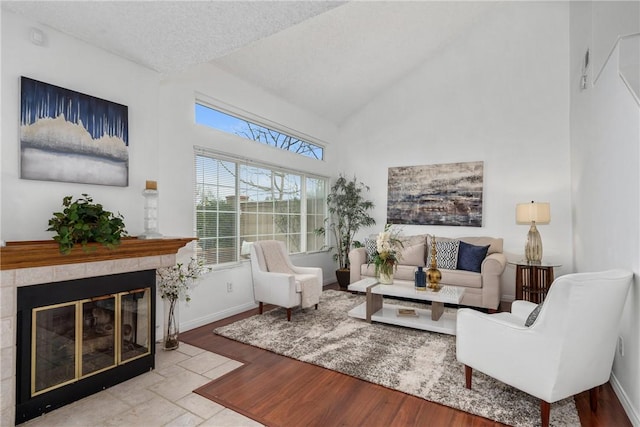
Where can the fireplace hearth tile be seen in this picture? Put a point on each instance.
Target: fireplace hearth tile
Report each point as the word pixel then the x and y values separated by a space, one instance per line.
pixel 229 418
pixel 201 406
pixel 101 268
pixel 69 272
pixel 126 265
pixel 134 402
pixel 149 262
pixel 134 397
pixel 185 420
pixel 98 406
pixel 223 369
pixel 179 384
pixel 7 301
pixel 187 349
pixel 7 358
pixel 34 276
pixel 137 383
pixel 7 332
pixel 203 362
pixel 7 416
pixel 7 278
pixel 154 412
pixel 166 359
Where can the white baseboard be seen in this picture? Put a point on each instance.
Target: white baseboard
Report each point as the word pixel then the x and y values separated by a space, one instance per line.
pixel 196 323
pixel 632 412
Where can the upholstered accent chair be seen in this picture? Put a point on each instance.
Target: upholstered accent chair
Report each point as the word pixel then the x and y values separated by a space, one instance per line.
pixel 277 281
pixel 569 348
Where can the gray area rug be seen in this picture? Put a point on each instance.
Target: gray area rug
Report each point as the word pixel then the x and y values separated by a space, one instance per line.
pixel 419 363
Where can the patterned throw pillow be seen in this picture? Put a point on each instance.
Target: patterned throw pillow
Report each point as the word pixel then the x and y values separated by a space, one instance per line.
pixel 446 254
pixel 470 257
pixel 533 316
pixel 370 246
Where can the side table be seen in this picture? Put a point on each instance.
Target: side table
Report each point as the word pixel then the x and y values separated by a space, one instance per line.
pixel 533 280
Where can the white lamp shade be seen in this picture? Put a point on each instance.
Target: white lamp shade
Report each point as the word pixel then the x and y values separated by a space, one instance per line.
pixel 538 212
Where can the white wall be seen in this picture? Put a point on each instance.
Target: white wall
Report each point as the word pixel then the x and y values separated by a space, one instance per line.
pixel 496 94
pixel 605 154
pixel 162 134
pixel 66 62
pixel 179 134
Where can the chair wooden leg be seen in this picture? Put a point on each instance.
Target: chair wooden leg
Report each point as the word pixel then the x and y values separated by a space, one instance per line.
pixel 593 399
pixel 545 410
pixel 468 370
pixel 260 308
pixel 288 315
pixel 316 306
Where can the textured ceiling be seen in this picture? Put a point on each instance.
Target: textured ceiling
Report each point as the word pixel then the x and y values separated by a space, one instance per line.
pixel 337 62
pixel 169 35
pixel 330 58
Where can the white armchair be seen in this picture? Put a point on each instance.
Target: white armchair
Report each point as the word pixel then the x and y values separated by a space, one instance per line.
pixel 568 349
pixel 277 281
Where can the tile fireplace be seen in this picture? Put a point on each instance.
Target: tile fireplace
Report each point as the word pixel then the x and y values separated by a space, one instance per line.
pixel 77 337
pixel 72 326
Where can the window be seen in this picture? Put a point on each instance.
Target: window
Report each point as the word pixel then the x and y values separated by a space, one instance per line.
pixel 208 116
pixel 237 202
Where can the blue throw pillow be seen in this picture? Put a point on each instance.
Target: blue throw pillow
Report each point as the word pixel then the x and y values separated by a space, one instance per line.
pixel 470 257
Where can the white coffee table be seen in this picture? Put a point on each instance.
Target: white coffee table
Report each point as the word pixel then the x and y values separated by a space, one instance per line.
pixel 429 319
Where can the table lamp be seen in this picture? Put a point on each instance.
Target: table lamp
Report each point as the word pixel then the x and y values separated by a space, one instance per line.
pixel 533 213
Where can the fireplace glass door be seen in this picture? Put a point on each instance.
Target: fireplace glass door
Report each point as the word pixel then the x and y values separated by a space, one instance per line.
pixel 81 338
pixel 98 334
pixel 54 360
pixel 135 319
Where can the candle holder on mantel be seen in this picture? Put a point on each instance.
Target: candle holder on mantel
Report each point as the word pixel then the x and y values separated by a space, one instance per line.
pixel 150 194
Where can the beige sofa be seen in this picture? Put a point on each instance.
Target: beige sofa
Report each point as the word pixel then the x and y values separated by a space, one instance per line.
pixel 481 289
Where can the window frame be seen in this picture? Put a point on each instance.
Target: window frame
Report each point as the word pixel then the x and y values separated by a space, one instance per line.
pixel 239 163
pixel 255 119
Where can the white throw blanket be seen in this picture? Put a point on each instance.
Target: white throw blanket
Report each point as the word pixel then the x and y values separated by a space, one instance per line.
pixel 310 289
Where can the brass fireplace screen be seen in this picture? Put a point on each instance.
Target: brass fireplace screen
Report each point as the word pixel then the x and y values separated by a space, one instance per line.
pixel 77 339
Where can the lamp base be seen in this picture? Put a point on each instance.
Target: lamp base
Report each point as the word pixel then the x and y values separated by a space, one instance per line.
pixel 533 248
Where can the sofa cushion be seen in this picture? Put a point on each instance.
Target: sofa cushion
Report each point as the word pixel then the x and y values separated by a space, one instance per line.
pixel 446 254
pixel 467 279
pixel 470 257
pixel 413 255
pixel 405 272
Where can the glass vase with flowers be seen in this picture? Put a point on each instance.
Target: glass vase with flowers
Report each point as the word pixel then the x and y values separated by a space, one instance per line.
pixel 387 255
pixel 174 284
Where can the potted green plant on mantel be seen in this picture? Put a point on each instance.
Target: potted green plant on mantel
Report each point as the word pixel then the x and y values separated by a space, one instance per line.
pixel 83 222
pixel 348 212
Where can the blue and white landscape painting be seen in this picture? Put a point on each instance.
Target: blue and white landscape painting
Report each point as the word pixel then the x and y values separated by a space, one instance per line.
pixel 71 137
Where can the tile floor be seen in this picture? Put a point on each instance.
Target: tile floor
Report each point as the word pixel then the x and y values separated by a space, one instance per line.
pixel 162 397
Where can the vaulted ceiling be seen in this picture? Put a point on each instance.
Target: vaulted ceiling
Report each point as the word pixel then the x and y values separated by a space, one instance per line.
pixel 330 58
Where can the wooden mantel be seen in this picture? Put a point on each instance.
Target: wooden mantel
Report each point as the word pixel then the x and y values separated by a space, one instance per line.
pixel 41 253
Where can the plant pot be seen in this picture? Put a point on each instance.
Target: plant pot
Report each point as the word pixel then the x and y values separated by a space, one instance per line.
pixel 344 276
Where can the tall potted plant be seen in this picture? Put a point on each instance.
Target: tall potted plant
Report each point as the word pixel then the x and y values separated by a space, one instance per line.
pixel 348 212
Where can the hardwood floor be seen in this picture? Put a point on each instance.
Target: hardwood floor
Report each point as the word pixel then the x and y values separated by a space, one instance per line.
pixel 278 391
